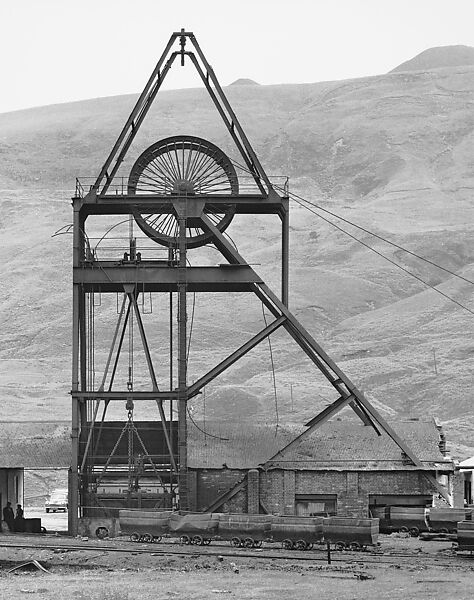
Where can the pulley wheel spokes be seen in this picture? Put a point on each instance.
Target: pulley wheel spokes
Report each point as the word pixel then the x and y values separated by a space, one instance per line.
pixel 188 169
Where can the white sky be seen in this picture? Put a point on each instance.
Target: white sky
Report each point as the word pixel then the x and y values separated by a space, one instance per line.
pixel 63 50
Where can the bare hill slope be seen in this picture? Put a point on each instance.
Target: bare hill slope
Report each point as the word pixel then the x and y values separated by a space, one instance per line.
pixel 435 58
pixel 393 153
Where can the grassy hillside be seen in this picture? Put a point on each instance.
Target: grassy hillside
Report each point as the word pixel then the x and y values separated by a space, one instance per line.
pixel 392 153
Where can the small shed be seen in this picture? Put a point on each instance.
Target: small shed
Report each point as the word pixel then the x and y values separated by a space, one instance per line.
pixel 34 458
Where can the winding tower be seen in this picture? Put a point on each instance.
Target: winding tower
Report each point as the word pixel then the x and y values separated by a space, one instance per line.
pixel 181 193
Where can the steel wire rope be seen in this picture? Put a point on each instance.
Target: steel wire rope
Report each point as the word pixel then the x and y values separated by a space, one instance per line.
pixel 299 200
pixel 432 287
pixel 192 320
pixel 296 197
pixel 206 433
pixel 277 418
pixel 376 235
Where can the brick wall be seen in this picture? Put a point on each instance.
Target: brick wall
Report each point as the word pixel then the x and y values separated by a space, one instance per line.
pixel 211 483
pixel 253 491
pixel 277 488
pixel 394 482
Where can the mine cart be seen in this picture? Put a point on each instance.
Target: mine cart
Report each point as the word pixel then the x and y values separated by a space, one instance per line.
pixel 194 528
pixel 350 533
pixel 299 533
pixel 144 525
pixel 445 520
pixel 466 535
pixel 244 530
pixel 409 519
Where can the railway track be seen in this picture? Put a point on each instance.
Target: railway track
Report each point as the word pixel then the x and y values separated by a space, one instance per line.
pixel 275 554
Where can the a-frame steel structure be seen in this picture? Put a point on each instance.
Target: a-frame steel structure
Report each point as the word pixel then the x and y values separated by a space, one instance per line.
pixel 182 192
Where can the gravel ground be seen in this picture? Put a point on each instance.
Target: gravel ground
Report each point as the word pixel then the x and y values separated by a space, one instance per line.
pixel 105 575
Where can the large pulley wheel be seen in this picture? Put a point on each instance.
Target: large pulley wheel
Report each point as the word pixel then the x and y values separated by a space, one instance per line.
pixel 189 170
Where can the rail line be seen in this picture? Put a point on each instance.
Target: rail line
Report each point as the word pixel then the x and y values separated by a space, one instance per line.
pixel 315 556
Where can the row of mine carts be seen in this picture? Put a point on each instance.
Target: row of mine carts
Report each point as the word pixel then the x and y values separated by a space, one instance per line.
pixel 250 531
pixel 418 519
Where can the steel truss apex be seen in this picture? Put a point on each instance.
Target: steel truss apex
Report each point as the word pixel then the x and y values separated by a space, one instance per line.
pixel 148 95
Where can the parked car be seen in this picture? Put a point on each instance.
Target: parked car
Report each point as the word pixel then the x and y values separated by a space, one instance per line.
pixel 57 501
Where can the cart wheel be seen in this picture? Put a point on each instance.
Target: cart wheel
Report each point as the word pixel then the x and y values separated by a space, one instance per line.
pixel 248 543
pixel 414 531
pixel 287 544
pixel 156 539
pixel 185 539
pixel 404 529
pixel 207 541
pixel 443 530
pixel 146 538
pixel 300 545
pixel 354 546
pixel 197 540
pixel 102 532
pixel 340 546
pixel 309 545
pixel 43 530
pixel 235 541
pixel 135 537
pixel 257 543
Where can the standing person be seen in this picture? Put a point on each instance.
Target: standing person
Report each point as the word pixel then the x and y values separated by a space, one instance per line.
pixel 19 520
pixel 9 517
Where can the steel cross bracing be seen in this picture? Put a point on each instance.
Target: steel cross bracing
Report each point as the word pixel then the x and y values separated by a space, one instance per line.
pixel 349 394
pixel 174 276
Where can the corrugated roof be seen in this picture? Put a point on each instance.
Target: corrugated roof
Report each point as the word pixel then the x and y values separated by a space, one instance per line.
pixel 342 445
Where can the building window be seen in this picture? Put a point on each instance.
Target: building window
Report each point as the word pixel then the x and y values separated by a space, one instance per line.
pixel 316 505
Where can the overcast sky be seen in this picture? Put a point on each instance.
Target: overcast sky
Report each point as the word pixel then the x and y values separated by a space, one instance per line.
pixel 63 50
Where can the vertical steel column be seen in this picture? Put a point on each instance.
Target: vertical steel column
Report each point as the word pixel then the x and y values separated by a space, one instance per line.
pixel 182 367
pixel 73 484
pixel 285 254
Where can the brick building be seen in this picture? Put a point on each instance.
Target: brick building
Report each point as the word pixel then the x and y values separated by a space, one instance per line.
pixel 342 468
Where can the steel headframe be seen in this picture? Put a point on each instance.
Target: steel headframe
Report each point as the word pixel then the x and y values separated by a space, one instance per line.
pixel 176 277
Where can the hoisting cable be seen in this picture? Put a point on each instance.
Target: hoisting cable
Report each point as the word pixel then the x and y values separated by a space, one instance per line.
pixel 277 424
pixel 192 320
pixel 206 433
pixel 130 350
pixel 450 298
pixel 299 200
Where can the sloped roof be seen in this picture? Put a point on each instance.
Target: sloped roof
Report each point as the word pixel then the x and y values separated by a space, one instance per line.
pixel 35 445
pixel 342 445
pixel 467 464
pixel 237 446
pixel 353 446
